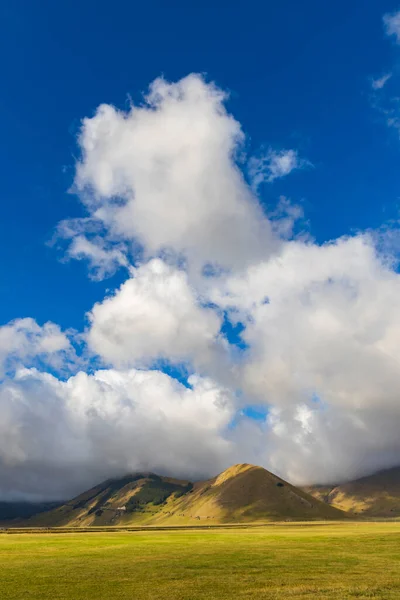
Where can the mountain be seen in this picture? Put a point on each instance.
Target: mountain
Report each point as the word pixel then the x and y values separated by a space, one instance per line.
pixel 376 495
pixel 23 510
pixel 242 493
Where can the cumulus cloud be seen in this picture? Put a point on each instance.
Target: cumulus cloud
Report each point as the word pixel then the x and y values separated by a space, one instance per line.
pixel 164 175
pixel 391 23
pixel 59 437
pixel 155 314
pixel 23 341
pixel 319 326
pixel 322 331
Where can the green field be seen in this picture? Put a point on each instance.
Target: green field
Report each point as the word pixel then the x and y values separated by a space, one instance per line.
pixel 293 561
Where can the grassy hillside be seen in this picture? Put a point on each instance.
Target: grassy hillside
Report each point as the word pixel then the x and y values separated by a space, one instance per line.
pixel 376 495
pixel 133 498
pixel 246 493
pixel 242 493
pixel 334 561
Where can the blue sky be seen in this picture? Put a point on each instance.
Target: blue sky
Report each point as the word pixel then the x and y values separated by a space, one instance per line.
pixel 298 75
pixel 199 240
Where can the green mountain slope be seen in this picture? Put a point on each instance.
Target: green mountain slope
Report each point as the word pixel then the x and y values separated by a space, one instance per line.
pixel 242 493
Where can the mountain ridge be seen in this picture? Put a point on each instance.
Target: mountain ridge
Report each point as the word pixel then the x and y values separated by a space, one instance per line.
pixel 242 493
pixel 375 495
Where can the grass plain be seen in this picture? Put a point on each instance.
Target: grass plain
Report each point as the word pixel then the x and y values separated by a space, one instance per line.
pixel 292 561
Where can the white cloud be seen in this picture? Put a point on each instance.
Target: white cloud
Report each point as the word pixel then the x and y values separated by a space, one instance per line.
pixel 322 329
pixel 102 261
pixel 323 332
pixel 391 23
pixel 156 314
pixel 88 240
pixel 286 218
pixel 57 438
pixel 380 82
pixel 274 165
pixel 164 175
pixel 23 341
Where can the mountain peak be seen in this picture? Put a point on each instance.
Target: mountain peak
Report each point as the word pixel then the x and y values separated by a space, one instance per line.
pixel 233 471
